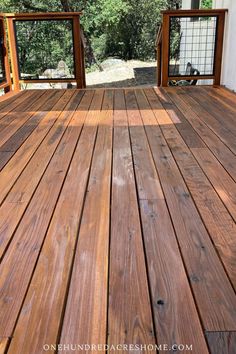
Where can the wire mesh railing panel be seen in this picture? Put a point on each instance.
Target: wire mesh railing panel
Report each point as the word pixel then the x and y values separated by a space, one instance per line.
pixel 45 49
pixel 192 45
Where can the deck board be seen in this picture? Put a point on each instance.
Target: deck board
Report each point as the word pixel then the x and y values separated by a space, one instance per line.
pixel 117 219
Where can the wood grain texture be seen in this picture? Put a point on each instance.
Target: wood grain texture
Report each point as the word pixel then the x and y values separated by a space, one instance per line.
pixel 4 341
pixel 45 300
pixel 182 112
pixel 129 313
pixel 117 235
pixel 15 166
pixel 215 215
pixel 197 249
pixel 221 342
pixel 18 198
pixel 23 251
pixel 220 179
pixel 85 318
pixel 168 279
pixel 148 184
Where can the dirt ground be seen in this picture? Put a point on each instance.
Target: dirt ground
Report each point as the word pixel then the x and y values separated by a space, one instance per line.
pixel 119 73
pixel 114 73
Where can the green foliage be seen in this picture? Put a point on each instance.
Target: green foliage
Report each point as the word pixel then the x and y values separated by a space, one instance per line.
pixel 42 44
pixel 206 4
pixel 120 28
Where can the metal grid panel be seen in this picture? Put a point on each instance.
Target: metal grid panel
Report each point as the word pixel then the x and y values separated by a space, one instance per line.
pixel 192 45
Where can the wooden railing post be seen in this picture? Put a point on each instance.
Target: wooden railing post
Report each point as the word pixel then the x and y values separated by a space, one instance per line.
pixel 6 85
pixel 165 50
pixel 13 54
pixel 78 53
pixel 159 64
pixel 219 48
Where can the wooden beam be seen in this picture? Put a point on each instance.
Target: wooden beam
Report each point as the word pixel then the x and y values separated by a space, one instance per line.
pixel 13 53
pixel 77 52
pixel 194 12
pixel 165 50
pixel 219 48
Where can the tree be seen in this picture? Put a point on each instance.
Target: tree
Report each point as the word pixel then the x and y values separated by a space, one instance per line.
pixel 122 28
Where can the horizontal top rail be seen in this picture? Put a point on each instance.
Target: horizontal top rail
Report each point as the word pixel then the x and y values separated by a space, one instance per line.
pixel 37 15
pixel 194 12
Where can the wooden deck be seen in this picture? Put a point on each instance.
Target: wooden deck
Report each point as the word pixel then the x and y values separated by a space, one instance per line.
pixel 117 221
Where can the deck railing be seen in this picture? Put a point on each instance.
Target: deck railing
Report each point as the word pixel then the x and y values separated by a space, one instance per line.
pixel 30 36
pixel 5 78
pixel 32 24
pixel 189 46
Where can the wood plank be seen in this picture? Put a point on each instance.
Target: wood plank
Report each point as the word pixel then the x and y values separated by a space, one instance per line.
pixel 49 282
pixel 22 254
pixel 221 342
pixel 85 319
pixel 14 120
pixel 4 341
pixel 168 280
pixel 224 100
pixel 207 112
pixel 16 165
pixel 11 111
pixel 7 96
pixel 211 105
pixel 216 302
pixel 12 102
pixel 148 184
pixel 176 317
pixel 8 149
pixel 181 114
pixel 224 185
pixel 216 217
pixel 129 311
pixel 227 95
pixel 18 198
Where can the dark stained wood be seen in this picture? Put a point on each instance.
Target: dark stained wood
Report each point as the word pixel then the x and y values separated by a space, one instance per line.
pixel 49 287
pixel 13 54
pixel 148 184
pixel 8 149
pixel 168 279
pixel 22 191
pixel 15 166
pixel 121 235
pixel 221 342
pixel 211 112
pixel 219 47
pixel 85 319
pixel 195 244
pixel 216 217
pixel 30 234
pixel 165 51
pixel 221 180
pixel 129 313
pixel 219 149
pixel 6 85
pixel 14 120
